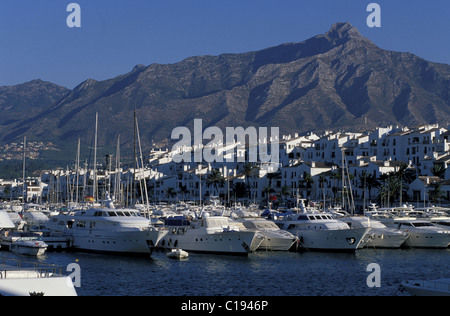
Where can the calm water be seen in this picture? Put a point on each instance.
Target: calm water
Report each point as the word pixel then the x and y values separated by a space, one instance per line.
pixel 263 273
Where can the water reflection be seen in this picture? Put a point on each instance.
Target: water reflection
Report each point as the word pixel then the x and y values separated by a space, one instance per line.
pixel 263 273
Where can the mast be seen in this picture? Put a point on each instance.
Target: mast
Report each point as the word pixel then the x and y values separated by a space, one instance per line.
pixel 343 180
pixel 142 165
pixel 95 158
pixel 24 194
pixel 78 169
pixel 118 174
pixel 133 186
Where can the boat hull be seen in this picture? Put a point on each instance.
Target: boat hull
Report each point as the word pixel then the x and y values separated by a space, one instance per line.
pixel 384 239
pixel 340 240
pixel 53 286
pixel 233 243
pixel 177 254
pixel 427 288
pixel 127 242
pixel 275 242
pixel 428 240
pixel 29 248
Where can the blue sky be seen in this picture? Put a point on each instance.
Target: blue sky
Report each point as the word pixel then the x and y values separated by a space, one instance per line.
pixel 116 35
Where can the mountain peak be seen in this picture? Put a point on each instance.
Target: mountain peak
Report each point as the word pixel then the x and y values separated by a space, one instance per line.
pixel 343 31
pixel 138 67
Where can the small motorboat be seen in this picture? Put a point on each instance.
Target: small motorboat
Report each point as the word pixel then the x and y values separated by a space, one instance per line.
pixel 177 254
pixel 440 287
pixel 29 246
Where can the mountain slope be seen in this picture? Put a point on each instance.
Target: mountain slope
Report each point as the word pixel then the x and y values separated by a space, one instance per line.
pixel 27 100
pixel 335 80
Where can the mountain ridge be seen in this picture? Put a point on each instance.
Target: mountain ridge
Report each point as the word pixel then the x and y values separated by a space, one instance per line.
pixel 335 80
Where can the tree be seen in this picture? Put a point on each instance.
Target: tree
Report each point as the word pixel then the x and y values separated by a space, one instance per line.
pixel 322 180
pixel 184 190
pixel 267 192
pixel 438 170
pixel 437 195
pixel 250 171
pixel 336 176
pixel 171 193
pixel 368 181
pixel 240 190
pixel 216 179
pixel 371 182
pixel 389 190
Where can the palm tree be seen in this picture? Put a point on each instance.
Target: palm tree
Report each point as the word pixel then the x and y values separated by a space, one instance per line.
pixel 390 189
pixel 322 179
pixel 171 193
pixel 268 190
pixel 437 193
pixel 307 182
pixel 438 170
pixel 336 176
pixel 184 190
pixel 250 171
pixel 404 176
pixel 240 190
pixel 215 178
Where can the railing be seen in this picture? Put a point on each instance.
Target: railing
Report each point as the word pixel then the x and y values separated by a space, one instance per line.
pixel 436 285
pixel 12 267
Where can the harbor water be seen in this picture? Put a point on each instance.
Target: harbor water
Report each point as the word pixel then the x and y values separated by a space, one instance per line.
pixel 260 274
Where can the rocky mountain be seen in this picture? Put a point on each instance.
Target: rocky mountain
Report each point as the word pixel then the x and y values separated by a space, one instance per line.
pixel 27 100
pixel 337 80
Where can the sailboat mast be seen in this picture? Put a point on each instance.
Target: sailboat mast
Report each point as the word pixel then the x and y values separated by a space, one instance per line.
pixel 78 170
pixel 133 186
pixel 24 194
pixel 95 158
pixel 343 180
pixel 118 174
pixel 142 166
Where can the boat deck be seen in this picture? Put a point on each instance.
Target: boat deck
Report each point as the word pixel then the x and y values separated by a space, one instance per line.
pixel 19 269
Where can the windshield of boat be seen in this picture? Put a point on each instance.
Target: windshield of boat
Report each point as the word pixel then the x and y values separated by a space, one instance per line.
pixel 121 213
pixel 265 225
pixel 422 224
pixel 314 217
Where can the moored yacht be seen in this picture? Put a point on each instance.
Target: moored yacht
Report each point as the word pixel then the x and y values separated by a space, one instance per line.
pixel 423 234
pixel 209 234
pixel 320 231
pixel 439 287
pixel 109 230
pixel 379 236
pixel 21 278
pixel 274 238
pixel 30 246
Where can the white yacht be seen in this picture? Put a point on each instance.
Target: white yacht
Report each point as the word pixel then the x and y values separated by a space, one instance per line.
pixel 423 234
pixel 5 221
pixel 109 230
pixel 321 231
pixel 439 287
pixel 274 238
pixel 55 240
pixel 379 236
pixel 177 254
pixel 209 234
pixel 33 218
pixel 30 246
pixel 21 278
